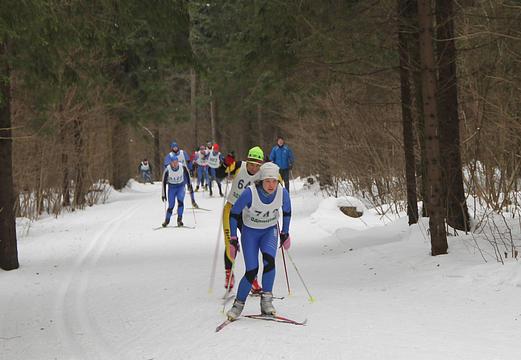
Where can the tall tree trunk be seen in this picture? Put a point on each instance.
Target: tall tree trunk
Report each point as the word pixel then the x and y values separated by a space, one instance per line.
pixel 408 139
pixel 259 126
pixel 414 53
pixel 193 105
pixel 66 181
pixel 8 245
pixel 158 166
pixel 429 86
pixel 80 186
pixel 120 155
pixel 212 117
pixel 454 197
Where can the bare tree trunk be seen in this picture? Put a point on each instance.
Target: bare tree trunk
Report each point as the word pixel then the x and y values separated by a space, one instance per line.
pixel 8 243
pixel 212 117
pixel 414 52
pixel 193 105
pixel 158 166
pixel 429 86
pixel 66 181
pixel 259 125
pixel 408 139
pixel 120 155
pixel 80 173
pixel 454 198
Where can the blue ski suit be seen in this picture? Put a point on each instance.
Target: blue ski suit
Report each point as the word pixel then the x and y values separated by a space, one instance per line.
pixel 175 191
pixel 253 240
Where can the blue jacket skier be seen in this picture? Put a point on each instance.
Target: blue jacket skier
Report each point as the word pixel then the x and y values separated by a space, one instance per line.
pixel 176 177
pixel 282 155
pixel 259 208
pixel 182 156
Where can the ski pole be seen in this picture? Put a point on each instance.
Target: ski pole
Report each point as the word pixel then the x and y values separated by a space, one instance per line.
pixel 284 261
pixel 193 212
pixel 311 298
pixel 285 270
pixel 228 285
pixel 293 181
pixel 219 232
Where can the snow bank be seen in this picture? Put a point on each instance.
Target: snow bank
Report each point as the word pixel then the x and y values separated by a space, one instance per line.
pixel 330 218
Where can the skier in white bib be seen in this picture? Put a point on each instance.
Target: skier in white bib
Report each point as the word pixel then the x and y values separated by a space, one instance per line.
pixel 202 167
pixel 243 173
pixel 215 159
pixel 259 209
pixel 184 160
pixel 145 168
pixel 176 177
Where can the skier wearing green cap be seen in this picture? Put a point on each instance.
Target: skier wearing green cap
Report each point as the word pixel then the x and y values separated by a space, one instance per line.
pixel 243 176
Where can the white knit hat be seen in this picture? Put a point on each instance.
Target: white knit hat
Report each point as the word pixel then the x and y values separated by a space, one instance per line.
pixel 269 171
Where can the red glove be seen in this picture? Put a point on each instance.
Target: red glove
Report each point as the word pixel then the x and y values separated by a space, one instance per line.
pixel 234 247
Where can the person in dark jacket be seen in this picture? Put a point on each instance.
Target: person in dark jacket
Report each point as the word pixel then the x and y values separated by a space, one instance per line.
pixel 282 155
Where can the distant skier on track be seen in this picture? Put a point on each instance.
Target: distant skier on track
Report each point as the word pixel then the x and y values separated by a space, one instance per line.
pixel 202 167
pixel 258 208
pixel 215 159
pixel 176 177
pixel 244 174
pixel 184 160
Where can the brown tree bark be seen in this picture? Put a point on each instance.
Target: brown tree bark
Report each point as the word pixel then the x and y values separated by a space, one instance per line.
pixel 454 196
pixel 8 243
pixel 260 127
pixel 193 105
pixel 66 181
pixel 158 166
pixel 404 11
pixel 429 88
pixel 80 183
pixel 212 117
pixel 415 61
pixel 120 155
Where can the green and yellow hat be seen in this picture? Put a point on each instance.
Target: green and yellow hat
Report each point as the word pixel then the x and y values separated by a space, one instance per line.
pixel 255 155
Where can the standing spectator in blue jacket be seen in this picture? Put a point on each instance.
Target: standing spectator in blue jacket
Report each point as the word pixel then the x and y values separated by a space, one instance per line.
pixel 282 155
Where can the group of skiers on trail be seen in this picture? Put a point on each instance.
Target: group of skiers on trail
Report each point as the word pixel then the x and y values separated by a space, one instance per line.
pixel 253 206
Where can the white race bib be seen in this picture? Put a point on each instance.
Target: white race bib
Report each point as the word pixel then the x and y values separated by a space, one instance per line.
pixel 260 215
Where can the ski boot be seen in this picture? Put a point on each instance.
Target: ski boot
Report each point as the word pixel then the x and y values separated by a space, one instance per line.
pixel 194 205
pixel 266 304
pixel 229 280
pixel 235 310
pixel 196 188
pixel 180 222
pixel 256 289
pixel 165 223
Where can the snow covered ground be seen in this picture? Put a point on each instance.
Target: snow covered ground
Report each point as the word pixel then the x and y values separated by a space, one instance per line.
pixel 101 284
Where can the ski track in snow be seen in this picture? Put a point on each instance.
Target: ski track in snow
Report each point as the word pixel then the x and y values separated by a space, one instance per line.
pixel 117 290
pixel 71 308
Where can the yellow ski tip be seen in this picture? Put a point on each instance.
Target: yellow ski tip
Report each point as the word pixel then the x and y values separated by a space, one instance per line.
pixel 312 299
